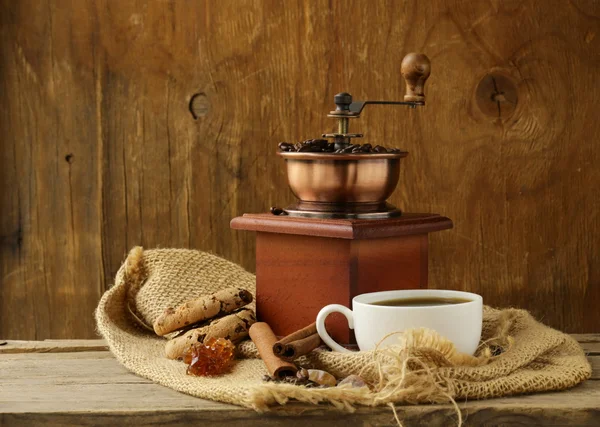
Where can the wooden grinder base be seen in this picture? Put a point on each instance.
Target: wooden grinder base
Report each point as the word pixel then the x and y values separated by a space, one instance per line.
pixel 303 264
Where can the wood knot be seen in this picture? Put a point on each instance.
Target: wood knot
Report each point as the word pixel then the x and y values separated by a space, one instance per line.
pixel 497 95
pixel 199 105
pixel 69 158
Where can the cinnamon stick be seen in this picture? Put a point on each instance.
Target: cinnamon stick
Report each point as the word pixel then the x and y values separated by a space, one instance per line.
pixel 298 343
pixel 264 338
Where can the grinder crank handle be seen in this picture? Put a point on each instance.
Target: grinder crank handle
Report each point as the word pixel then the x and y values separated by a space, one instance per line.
pixel 415 68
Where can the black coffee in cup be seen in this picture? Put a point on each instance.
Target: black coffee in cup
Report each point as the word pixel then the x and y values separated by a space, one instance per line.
pixel 420 302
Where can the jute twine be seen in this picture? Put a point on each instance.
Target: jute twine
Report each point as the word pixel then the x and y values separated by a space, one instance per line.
pixel 517 354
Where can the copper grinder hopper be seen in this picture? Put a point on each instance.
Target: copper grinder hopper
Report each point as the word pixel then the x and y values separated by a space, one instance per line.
pixel 337 178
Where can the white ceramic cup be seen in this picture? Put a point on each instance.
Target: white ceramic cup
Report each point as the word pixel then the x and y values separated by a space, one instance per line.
pixel 460 323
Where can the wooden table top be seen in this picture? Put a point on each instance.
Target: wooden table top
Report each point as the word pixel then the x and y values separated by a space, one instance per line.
pixel 78 382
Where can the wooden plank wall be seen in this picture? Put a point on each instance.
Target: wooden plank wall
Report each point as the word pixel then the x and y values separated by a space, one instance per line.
pixel 99 151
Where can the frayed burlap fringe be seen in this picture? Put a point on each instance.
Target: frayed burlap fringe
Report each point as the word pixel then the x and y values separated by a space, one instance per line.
pixel 517 354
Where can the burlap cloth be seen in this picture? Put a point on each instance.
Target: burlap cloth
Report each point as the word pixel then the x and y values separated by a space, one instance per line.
pixel 517 353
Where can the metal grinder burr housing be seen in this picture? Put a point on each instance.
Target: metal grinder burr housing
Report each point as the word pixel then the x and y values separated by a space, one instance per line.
pixel 350 182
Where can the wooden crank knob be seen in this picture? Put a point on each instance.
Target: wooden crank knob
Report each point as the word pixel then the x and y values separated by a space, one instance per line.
pixel 415 69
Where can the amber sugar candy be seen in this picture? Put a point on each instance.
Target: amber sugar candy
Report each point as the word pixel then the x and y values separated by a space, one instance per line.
pixel 211 358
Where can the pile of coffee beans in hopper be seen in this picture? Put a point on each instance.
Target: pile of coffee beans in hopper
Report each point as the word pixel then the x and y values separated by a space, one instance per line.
pixel 324 146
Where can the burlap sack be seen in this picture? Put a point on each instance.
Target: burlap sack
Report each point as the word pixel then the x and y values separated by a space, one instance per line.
pixel 517 354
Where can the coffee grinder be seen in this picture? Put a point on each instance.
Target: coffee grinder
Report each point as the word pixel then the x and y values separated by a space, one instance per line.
pixel 341 238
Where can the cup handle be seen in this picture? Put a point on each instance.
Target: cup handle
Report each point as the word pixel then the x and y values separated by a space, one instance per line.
pixel 326 311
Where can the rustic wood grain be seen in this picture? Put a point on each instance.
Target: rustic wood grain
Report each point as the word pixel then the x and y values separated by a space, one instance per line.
pixel 91 388
pixel 589 342
pixel 51 252
pixel 52 346
pixel 99 150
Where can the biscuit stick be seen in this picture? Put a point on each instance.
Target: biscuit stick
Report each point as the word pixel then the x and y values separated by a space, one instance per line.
pixel 233 326
pixel 203 308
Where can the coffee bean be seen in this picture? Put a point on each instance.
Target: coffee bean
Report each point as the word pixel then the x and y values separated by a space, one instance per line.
pixel 277 211
pixel 323 146
pixel 350 148
pixel 310 149
pixel 302 374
